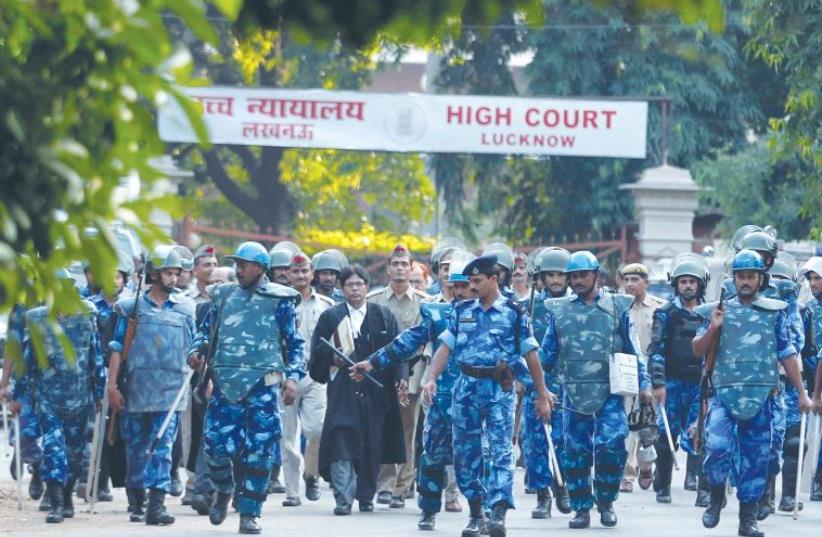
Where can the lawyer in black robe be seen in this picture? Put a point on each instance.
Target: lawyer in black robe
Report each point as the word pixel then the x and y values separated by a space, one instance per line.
pixel 362 421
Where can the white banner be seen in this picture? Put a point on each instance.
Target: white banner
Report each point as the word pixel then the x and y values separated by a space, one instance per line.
pixel 413 122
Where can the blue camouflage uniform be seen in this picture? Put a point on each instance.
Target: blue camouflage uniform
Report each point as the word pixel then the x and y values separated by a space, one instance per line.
pixel 155 370
pixel 580 340
pixel 812 350
pixel 16 341
pixel 533 437
pixel 738 429
pixel 786 291
pixel 436 444
pixel 64 390
pixel 674 366
pixel 480 338
pixel 257 343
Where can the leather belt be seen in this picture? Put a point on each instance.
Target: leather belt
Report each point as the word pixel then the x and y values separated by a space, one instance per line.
pixel 477 372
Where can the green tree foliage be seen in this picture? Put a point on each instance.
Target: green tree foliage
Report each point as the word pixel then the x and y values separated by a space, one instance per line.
pixel 78 86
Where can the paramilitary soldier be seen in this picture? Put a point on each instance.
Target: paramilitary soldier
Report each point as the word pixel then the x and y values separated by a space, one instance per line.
pixel 812 318
pixel 582 334
pixel 437 447
pixel 785 290
pixel 750 336
pixel 252 339
pixel 64 392
pixel 488 336
pixel 676 371
pixel 155 370
pixel 550 268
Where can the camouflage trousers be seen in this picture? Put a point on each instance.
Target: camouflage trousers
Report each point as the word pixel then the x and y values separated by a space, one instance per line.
pixel 479 402
pixel 682 408
pixel 738 447
pixel 64 437
pixel 245 433
pixel 31 452
pixel 599 438
pixel 148 471
pixel 535 445
pixel 437 453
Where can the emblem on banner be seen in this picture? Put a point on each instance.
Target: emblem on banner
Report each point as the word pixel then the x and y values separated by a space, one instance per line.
pixel 405 122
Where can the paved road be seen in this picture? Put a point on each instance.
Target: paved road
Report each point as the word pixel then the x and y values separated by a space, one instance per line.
pixel 639 515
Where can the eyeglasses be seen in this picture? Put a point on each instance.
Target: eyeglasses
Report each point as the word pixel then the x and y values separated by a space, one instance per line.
pixel 354 284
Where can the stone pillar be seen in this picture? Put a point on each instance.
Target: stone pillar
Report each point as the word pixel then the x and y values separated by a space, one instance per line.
pixel 665 199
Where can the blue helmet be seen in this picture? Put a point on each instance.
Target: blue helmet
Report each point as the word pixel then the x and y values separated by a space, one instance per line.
pixel 253 252
pixel 582 260
pixel 748 260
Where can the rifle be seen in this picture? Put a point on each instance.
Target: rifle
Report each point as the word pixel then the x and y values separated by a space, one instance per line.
pixel 131 329
pixel 706 383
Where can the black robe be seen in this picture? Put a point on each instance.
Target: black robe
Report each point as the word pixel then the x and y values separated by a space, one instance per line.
pixel 361 419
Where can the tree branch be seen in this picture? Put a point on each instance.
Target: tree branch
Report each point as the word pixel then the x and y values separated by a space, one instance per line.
pixel 230 189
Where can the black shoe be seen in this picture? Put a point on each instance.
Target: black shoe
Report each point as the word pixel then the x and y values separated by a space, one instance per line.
pixel 703 498
pixel 249 526
pixel 36 483
pixel 427 522
pixel 292 501
pixel 787 503
pixel 136 502
pixel 384 497
pixel 201 503
pixel 543 509
pixel 397 502
pixel 496 524
pixel 56 493
pixel 366 506
pixel 68 501
pixel 747 520
pixel 710 518
pixel 563 501
pixel 156 514
pixel 582 519
pixel 607 515
pixel 219 508
pixel 176 484
pixel 476 520
pixel 312 488
pixel 45 503
pixel 274 485
pixel 765 506
pixel 663 495
pixel 342 509
pixel 104 495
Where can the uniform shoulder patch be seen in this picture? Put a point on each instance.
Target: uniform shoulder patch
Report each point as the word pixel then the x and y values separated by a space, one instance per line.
pixel 515 305
pixel 770 304
pixel 422 294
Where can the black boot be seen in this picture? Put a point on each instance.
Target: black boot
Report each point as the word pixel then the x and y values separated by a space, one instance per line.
pixel 274 485
pixel 816 487
pixel 788 500
pixel 427 522
pixel 136 502
pixel 248 525
pixel 201 503
pixel 176 484
pixel 36 483
pixel 581 520
pixel 747 520
pixel 312 488
pixel 543 509
pixel 68 502
pixel 45 503
pixel 476 520
pixel 662 474
pixel 703 491
pixel 765 506
pixel 54 491
pixel 607 515
pixel 710 518
pixel 496 525
pixel 219 509
pixel 692 471
pixel 156 514
pixel 563 501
